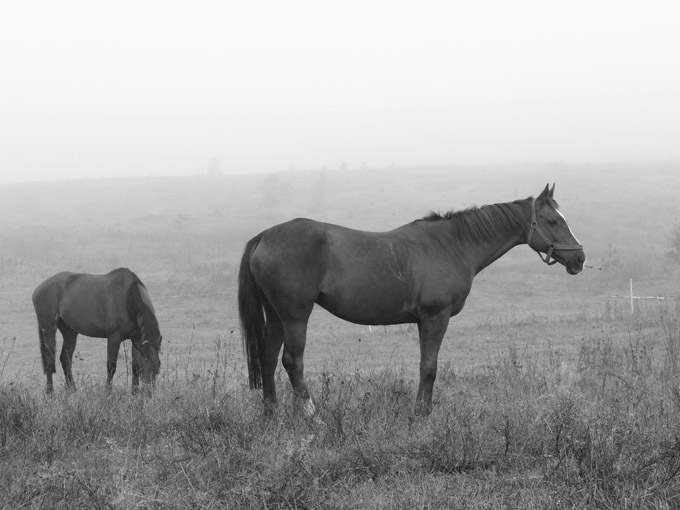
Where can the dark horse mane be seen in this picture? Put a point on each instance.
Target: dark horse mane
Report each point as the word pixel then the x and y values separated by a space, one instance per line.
pixel 479 222
pixel 137 307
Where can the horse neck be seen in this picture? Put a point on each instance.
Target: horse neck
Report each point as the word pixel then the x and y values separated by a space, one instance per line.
pixel 512 233
pixel 485 245
pixel 149 325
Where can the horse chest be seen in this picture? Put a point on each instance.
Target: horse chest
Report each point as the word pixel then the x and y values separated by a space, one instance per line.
pixel 441 290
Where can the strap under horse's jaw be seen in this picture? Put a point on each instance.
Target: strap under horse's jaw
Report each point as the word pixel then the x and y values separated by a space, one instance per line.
pixel 552 246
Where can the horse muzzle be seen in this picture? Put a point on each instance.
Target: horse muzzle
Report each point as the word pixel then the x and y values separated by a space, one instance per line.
pixel 572 260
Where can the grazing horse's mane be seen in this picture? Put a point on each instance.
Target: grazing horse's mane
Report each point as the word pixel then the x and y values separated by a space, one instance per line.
pixel 137 307
pixel 480 222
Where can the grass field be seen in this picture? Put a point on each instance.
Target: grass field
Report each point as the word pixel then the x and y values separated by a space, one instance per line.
pixel 550 393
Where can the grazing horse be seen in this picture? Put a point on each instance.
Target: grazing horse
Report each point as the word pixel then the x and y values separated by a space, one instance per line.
pixel 115 306
pixel 419 273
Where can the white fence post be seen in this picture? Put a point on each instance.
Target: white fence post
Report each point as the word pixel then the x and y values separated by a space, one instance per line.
pixel 632 310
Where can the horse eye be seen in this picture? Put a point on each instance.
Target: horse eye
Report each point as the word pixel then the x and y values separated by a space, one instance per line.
pixel 552 223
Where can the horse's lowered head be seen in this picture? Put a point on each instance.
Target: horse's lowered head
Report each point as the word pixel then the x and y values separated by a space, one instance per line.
pixel 148 365
pixel 550 234
pixel 147 342
pixel 151 365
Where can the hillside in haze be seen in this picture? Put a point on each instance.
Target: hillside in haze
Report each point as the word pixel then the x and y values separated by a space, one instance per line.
pixel 630 207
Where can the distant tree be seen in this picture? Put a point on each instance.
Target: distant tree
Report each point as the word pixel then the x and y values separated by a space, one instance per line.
pixel 611 258
pixel 214 167
pixel 673 252
pixel 319 189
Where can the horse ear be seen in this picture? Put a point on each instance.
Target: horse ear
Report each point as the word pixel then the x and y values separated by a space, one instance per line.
pixel 551 192
pixel 545 193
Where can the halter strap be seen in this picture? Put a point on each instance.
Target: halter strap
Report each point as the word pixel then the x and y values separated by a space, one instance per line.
pixel 552 246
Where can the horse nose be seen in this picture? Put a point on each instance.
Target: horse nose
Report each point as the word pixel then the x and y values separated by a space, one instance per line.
pixel 581 259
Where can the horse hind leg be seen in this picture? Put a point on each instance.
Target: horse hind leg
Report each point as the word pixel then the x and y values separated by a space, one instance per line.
pixel 269 357
pixel 295 337
pixel 67 349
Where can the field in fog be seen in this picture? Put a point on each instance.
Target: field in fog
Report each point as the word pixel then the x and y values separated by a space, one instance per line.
pixel 550 393
pixel 184 236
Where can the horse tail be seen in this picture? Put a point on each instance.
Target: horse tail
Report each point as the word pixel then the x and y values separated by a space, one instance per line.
pixel 251 302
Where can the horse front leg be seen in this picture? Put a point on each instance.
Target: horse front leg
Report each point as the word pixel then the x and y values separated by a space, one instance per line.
pixel 136 368
pixel 112 349
pixel 137 360
pixel 431 331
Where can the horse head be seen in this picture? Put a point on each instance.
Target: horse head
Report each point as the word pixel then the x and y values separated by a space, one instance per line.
pixel 550 234
pixel 151 361
pixel 148 338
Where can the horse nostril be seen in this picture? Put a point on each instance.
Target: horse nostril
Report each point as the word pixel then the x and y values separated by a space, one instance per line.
pixel 581 259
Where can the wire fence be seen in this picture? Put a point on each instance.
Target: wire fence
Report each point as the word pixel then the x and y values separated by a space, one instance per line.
pixel 632 298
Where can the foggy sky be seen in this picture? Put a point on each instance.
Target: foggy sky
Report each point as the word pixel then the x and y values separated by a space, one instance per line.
pixel 96 89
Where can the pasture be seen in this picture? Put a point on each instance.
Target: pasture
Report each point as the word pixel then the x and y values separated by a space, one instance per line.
pixel 550 393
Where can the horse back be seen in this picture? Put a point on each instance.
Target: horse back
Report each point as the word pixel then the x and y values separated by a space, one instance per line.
pixel 363 277
pixel 93 305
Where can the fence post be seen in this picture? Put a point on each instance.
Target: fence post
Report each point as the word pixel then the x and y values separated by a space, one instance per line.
pixel 631 296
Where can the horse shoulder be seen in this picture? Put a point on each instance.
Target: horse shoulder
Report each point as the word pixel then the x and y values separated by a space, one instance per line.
pixel 442 279
pixel 146 299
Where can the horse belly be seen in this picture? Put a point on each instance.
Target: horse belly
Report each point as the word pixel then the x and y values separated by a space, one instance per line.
pixel 86 325
pixel 89 317
pixel 369 302
pixel 368 279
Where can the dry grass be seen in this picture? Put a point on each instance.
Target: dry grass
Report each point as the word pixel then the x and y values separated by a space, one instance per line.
pixel 522 432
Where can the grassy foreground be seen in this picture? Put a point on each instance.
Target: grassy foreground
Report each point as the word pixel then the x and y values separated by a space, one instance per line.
pixel 520 432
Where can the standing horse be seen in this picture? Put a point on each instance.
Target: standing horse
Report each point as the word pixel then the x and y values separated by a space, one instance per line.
pixel 419 273
pixel 114 306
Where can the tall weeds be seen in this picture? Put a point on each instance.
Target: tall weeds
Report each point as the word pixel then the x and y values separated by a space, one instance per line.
pixel 524 431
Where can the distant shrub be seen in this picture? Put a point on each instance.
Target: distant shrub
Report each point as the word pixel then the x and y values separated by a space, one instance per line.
pixel 673 252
